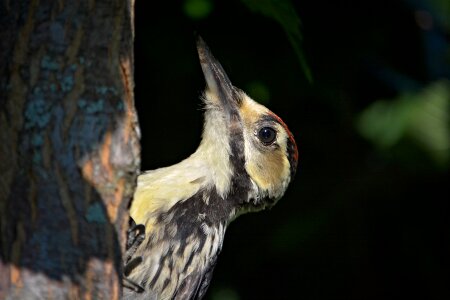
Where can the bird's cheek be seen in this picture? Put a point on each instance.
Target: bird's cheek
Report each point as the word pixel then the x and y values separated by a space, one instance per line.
pixel 269 171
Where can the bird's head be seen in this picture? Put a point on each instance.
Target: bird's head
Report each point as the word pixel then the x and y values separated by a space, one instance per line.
pixel 251 148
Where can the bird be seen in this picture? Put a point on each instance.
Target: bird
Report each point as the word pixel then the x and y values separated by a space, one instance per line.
pixel 179 214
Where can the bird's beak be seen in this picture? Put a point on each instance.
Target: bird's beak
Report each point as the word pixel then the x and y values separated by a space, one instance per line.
pixel 217 81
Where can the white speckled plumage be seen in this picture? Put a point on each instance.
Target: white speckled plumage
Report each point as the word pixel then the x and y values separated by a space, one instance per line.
pixel 186 207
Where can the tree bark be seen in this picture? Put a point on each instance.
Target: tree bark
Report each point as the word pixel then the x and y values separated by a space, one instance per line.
pixel 69 149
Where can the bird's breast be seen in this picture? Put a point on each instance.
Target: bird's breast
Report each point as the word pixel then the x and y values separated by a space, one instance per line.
pixel 183 240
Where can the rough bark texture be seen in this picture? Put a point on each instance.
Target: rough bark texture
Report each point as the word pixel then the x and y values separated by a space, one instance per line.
pixel 69 151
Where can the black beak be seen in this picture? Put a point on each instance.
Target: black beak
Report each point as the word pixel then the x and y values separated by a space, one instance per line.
pixel 217 80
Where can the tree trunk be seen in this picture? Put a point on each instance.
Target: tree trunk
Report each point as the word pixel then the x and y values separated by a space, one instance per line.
pixel 69 149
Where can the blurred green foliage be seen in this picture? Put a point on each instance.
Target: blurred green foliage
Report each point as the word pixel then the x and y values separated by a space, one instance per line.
pixel 442 9
pixel 198 9
pixel 422 116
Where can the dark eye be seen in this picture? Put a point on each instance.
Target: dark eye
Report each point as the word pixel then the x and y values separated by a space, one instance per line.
pixel 267 135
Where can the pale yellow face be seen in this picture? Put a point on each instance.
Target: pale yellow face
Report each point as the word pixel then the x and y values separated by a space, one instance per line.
pixel 267 164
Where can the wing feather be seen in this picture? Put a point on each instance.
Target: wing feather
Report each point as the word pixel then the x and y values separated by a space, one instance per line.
pixel 195 285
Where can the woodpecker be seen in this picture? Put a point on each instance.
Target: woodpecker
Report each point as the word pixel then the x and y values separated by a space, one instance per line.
pixel 244 163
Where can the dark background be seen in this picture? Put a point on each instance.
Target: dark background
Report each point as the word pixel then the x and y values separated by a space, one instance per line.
pixel 367 215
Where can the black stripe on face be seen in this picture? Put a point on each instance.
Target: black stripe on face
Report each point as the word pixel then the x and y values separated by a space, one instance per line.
pixel 240 182
pixel 237 144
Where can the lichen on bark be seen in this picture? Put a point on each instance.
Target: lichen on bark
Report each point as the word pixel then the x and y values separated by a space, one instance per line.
pixel 69 146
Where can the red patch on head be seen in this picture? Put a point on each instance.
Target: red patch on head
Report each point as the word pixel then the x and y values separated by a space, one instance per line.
pixel 291 136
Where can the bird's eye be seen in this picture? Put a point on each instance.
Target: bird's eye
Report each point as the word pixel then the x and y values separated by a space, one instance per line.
pixel 267 135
